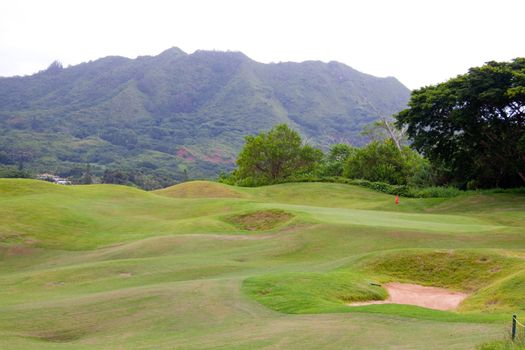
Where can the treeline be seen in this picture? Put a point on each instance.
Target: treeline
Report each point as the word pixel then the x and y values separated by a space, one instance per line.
pixel 280 155
pixel 467 133
pixel 89 174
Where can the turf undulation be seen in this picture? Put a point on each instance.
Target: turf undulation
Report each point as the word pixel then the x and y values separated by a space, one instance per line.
pixel 207 266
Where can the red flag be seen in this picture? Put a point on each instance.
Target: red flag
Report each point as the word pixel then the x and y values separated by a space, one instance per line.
pixel 397 200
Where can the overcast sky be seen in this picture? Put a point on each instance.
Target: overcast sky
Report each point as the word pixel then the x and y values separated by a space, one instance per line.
pixel 419 42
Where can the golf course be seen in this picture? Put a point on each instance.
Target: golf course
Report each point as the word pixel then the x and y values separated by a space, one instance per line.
pixel 203 265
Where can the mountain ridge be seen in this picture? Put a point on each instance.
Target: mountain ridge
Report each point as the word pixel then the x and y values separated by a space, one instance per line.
pixel 174 113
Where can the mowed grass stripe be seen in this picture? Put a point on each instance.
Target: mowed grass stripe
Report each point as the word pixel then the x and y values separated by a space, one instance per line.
pixel 377 218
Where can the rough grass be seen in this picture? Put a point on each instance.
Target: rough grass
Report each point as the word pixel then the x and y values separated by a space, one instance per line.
pixel 504 296
pixel 259 220
pixel 111 267
pixel 462 270
pixel 507 344
pixel 200 189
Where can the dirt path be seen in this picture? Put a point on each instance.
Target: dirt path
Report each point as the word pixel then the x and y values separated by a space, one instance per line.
pixel 413 294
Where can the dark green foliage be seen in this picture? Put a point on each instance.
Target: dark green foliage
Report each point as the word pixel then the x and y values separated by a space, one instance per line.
pixel 134 177
pixel 87 176
pixel 275 156
pixel 7 171
pixel 279 156
pixel 472 127
pixel 383 162
pixel 335 160
pixel 401 190
pixel 160 115
pixel 405 191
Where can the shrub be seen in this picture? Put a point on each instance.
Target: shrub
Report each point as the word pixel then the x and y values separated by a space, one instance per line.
pixel 384 162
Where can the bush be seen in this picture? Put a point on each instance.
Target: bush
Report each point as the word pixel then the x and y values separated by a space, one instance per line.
pixel 384 162
pixel 333 164
pixel 399 190
pixel 432 192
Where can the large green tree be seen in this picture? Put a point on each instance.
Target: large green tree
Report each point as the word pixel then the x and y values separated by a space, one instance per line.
pixel 276 155
pixel 473 126
pixel 383 161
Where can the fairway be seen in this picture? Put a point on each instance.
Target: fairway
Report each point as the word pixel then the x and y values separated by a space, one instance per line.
pixel 204 265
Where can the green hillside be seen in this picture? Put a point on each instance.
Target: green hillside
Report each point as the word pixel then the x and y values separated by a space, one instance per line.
pixel 203 265
pixel 160 115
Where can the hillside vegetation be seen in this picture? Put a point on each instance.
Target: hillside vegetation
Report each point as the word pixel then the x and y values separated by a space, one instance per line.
pixel 204 265
pixel 152 118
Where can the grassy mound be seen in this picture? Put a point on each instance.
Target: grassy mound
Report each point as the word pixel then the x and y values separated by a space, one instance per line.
pixel 298 293
pixel 80 217
pixel 107 266
pixel 200 189
pixel 457 269
pixel 259 220
pixel 506 295
pixel 486 274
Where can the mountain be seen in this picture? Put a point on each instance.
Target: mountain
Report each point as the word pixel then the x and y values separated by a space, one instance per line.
pixel 176 115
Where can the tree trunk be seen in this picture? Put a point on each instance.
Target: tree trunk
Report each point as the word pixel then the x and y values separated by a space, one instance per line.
pixel 392 134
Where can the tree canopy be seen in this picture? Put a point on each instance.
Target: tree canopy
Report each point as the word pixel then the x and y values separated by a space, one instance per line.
pixel 335 159
pixel 382 161
pixel 473 126
pixel 275 155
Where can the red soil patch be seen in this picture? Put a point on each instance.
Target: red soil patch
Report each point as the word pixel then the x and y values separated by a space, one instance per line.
pixel 218 156
pixel 413 294
pixel 185 154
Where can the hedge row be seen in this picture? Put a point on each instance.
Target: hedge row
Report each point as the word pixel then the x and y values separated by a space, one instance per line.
pixel 400 190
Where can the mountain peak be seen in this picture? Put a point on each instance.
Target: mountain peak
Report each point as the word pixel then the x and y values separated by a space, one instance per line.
pixel 160 114
pixel 173 51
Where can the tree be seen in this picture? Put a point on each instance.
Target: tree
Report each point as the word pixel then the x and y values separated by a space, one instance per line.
pixel 87 177
pixel 276 155
pixel 384 162
pixel 12 172
pixel 116 176
pixel 336 158
pixel 55 67
pixel 473 126
pixel 383 129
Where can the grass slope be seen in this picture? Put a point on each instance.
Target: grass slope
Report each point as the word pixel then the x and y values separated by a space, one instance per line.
pixel 106 267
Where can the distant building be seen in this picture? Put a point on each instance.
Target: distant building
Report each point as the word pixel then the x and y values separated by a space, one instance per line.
pixel 53 178
pixel 63 182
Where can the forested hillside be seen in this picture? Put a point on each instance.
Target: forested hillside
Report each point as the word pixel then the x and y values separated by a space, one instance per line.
pixel 158 119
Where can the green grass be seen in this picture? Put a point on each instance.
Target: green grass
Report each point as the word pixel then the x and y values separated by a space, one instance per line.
pixel 112 267
pixel 507 344
pixel 312 292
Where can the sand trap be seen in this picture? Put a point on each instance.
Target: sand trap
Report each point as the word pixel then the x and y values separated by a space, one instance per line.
pixel 413 294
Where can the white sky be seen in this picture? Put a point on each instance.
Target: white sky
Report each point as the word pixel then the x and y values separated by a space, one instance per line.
pixel 419 42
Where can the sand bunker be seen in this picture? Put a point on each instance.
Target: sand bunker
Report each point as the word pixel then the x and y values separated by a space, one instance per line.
pixel 259 220
pixel 413 294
